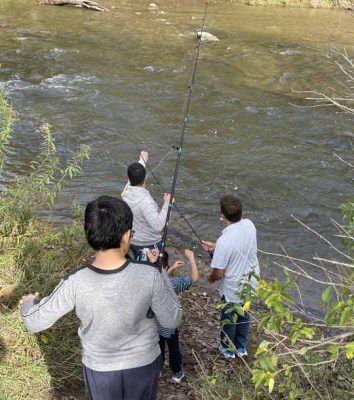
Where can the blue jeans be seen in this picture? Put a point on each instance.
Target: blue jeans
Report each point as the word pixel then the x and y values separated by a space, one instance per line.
pixel 237 330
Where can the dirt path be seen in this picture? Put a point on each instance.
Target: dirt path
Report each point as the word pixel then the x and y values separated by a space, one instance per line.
pixel 199 341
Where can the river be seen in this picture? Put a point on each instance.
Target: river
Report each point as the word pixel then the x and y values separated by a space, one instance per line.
pixel 112 79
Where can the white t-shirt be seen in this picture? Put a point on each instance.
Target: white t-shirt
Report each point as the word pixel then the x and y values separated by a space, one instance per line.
pixel 236 253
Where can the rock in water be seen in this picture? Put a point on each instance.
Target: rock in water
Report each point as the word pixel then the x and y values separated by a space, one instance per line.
pixel 207 37
pixel 152 6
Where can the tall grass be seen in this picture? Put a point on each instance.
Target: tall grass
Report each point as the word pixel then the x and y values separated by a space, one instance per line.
pixel 34 255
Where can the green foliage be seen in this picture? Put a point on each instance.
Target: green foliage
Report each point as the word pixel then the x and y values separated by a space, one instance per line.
pixel 7 117
pixel 348 219
pixel 33 192
pixel 34 256
pixel 216 385
pixel 296 343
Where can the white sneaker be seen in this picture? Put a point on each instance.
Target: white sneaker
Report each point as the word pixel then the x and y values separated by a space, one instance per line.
pixel 229 355
pixel 241 352
pixel 178 376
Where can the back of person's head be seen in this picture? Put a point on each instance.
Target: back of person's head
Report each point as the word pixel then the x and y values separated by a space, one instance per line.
pixel 231 207
pixel 136 174
pixel 107 219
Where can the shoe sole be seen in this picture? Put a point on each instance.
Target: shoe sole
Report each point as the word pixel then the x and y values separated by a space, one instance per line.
pixel 175 380
pixel 226 356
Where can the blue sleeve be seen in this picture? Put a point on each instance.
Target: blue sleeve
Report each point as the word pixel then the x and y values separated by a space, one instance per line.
pixel 181 284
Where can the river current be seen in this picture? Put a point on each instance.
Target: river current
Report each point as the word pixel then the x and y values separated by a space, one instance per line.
pixel 113 80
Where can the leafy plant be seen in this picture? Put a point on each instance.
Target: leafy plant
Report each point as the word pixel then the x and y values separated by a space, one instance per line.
pixel 20 201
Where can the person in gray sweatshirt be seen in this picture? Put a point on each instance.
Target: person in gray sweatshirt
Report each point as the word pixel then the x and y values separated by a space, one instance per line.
pixel 148 219
pixel 111 297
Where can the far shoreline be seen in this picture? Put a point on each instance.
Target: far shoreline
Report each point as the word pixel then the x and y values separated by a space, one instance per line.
pixel 345 5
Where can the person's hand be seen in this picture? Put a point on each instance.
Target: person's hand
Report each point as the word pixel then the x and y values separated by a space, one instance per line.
pixel 189 254
pixel 208 246
pixel 167 198
pixel 208 277
pixel 153 255
pixel 144 155
pixel 176 264
pixel 29 297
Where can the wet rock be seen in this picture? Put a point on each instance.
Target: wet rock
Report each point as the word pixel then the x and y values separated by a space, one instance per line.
pixel 152 7
pixel 207 37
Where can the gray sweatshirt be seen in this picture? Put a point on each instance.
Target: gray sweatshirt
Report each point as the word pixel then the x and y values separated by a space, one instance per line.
pixel 148 222
pixel 112 306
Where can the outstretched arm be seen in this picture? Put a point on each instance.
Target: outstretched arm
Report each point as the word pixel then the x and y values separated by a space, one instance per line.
pixel 195 273
pixel 144 158
pixel 41 315
pixel 177 264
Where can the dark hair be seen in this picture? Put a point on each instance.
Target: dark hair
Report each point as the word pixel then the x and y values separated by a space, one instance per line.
pixel 107 219
pixel 136 174
pixel 231 207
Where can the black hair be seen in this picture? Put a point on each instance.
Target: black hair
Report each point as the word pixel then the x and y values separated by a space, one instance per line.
pixel 231 207
pixel 107 219
pixel 165 259
pixel 136 174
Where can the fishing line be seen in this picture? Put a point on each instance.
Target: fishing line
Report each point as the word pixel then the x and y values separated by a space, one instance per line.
pixel 174 204
pixel 151 170
pixel 179 149
pixel 162 160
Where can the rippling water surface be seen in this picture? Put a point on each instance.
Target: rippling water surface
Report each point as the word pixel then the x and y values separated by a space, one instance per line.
pixel 113 79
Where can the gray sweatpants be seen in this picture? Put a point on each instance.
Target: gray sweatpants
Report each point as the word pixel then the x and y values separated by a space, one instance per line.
pixel 128 384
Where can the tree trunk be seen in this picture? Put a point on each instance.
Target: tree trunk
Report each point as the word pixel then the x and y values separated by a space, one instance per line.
pixel 91 5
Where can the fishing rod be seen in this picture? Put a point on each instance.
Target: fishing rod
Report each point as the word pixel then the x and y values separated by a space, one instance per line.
pixel 179 149
pixel 151 170
pixel 174 204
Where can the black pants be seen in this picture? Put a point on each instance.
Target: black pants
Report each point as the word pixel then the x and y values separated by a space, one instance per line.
pixel 127 384
pixel 136 250
pixel 175 358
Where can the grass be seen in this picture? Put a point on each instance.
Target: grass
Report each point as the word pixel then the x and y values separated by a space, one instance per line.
pixel 222 380
pixel 38 366
pixel 48 365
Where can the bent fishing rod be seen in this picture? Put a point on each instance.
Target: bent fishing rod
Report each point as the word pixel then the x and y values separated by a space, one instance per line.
pixel 179 149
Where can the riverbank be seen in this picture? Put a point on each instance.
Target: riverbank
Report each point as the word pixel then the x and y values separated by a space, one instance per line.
pixel 339 4
pixel 47 366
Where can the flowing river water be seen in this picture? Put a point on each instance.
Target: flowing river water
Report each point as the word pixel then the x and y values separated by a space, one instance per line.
pixel 113 79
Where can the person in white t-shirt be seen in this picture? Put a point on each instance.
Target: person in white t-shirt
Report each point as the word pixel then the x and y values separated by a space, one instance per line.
pixel 234 262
